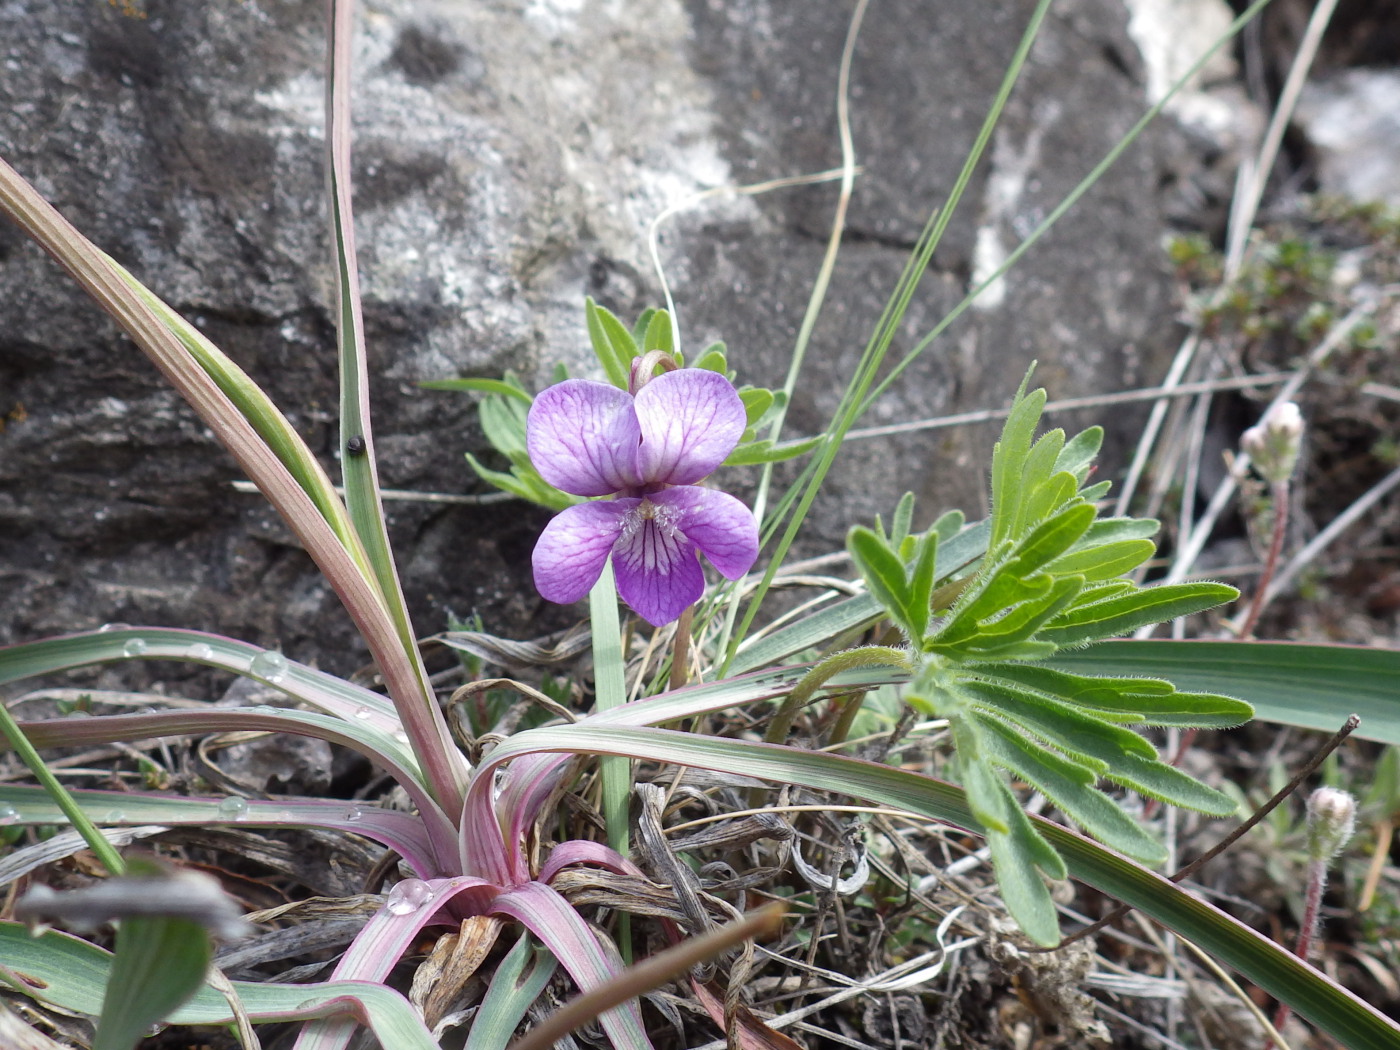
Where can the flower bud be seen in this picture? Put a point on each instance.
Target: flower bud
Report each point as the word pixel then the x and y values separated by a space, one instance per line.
pixel 1331 821
pixel 1273 443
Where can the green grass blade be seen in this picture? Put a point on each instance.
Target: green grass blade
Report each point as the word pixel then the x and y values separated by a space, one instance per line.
pixel 1311 686
pixel 610 685
pixel 160 963
pixel 510 992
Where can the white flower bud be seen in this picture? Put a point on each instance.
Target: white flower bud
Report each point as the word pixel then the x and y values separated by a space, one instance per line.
pixel 1274 442
pixel 1331 821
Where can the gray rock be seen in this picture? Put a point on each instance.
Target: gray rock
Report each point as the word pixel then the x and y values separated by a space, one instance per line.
pixel 509 159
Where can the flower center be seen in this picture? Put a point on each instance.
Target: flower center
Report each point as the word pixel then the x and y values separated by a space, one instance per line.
pixel 650 539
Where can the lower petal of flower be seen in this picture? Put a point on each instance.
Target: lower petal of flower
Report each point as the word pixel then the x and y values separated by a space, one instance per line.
pixel 574 547
pixel 658 572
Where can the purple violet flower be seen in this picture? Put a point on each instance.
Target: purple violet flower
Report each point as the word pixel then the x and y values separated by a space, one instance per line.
pixel 647 451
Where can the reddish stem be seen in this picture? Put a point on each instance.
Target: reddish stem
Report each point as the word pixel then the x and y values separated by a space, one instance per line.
pixel 1280 496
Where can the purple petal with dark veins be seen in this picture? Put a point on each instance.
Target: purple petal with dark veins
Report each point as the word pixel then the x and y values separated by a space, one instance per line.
pixel 658 573
pixel 718 524
pixel 574 546
pixel 583 436
pixel 690 420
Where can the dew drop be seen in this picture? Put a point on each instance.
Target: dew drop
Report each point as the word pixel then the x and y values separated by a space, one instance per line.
pixel 355 813
pixel 200 651
pixel 270 666
pixel 135 647
pixel 400 736
pixel 113 627
pixel 8 814
pixel 408 896
pixel 363 713
pixel 114 816
pixel 233 808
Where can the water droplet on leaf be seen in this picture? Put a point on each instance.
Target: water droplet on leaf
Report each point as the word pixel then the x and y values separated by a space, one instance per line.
pixel 408 896
pixel 270 665
pixel 233 808
pixel 135 647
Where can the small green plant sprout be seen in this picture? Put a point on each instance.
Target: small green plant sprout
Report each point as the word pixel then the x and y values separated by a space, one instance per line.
pixel 978 648
pixel 1274 442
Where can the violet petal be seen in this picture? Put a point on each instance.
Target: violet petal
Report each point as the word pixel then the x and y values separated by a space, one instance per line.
pixel 582 437
pixel 690 419
pixel 574 546
pixel 718 524
pixel 658 573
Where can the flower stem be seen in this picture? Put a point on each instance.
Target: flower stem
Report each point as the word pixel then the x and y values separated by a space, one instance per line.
pixel 1280 497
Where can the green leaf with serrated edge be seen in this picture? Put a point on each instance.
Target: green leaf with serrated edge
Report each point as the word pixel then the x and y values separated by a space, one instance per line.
pixel 1079 452
pixel 485 386
pixel 766 451
pixel 757 402
pixel 658 335
pixel 921 579
pixel 1070 786
pixel 902 519
pixel 712 359
pixel 1071 729
pixel 883 573
pixel 1139 701
pixel 612 343
pixel 1050 539
pixel 1087 623
pixel 1104 562
pixel 1008 462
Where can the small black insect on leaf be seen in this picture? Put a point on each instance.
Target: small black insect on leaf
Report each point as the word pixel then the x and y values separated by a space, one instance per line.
pixel 355 446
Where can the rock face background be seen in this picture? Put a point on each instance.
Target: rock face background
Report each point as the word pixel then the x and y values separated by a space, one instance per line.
pixel 509 158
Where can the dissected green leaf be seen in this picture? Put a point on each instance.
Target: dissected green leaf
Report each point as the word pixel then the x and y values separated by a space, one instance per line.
pixel 503 387
pixel 1070 786
pixel 1087 623
pixel 1144 701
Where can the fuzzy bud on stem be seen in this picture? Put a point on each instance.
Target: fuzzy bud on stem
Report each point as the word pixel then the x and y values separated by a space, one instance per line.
pixel 1331 821
pixel 1274 442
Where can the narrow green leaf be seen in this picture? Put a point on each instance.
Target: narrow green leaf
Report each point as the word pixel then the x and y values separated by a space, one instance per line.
pixel 639 330
pixel 883 573
pixel 1009 460
pixel 1144 701
pixel 903 518
pixel 658 334
pixel 1049 496
pixel 1079 452
pixel 612 343
pixel 1070 786
pixel 1104 562
pixel 527 485
pixel 509 994
pixel 503 421
pixel 922 575
pixel 1050 539
pixel 765 451
pixel 1071 729
pixel 1037 473
pixel 1087 623
pixel 485 386
pixel 1311 686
